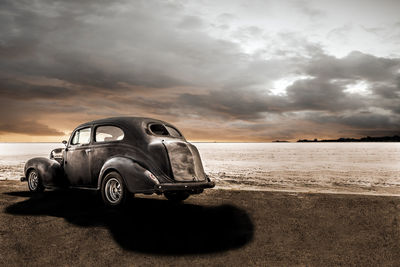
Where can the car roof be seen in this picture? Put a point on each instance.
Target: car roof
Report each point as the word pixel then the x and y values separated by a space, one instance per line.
pixel 123 121
pixel 134 127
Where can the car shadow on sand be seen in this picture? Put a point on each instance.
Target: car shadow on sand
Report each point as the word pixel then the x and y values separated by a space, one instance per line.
pixel 147 225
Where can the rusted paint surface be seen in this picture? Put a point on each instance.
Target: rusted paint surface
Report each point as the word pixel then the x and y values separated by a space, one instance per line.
pixel 185 161
pixel 169 157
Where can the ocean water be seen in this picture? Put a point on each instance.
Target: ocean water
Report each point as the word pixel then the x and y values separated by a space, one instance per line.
pixel 366 168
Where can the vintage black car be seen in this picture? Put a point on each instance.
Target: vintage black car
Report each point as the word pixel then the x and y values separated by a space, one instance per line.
pixel 122 155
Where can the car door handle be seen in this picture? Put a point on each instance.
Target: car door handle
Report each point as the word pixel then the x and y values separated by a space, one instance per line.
pixel 88 150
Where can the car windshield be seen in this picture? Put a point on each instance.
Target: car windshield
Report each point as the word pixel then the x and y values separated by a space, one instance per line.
pixel 81 137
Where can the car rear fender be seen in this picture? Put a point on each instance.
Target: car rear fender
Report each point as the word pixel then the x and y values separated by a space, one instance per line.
pixel 133 174
pixel 49 170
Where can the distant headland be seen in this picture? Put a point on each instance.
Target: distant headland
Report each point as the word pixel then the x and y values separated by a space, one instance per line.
pixel 394 138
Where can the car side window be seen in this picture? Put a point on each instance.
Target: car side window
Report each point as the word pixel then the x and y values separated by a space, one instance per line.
pixel 108 133
pixel 81 137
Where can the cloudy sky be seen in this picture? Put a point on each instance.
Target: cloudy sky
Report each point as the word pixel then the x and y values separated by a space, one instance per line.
pixel 218 70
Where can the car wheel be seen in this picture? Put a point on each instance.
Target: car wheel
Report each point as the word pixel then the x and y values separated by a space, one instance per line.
pixel 113 190
pixel 176 196
pixel 35 184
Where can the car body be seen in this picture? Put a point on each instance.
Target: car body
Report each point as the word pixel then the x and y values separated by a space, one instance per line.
pixel 144 155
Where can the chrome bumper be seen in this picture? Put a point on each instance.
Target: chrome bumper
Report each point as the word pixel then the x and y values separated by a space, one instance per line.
pixel 186 186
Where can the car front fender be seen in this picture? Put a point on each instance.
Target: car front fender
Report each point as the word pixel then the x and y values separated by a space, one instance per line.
pixel 133 174
pixel 50 171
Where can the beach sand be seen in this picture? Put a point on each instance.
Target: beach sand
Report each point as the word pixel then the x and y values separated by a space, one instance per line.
pixel 218 227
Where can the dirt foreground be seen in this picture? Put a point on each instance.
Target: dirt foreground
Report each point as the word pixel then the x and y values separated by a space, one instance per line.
pixel 219 227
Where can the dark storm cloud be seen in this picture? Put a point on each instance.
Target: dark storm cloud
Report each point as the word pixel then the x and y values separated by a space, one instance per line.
pixel 362 120
pixel 83 60
pixel 29 127
pixel 21 118
pixel 240 104
pixel 380 74
pixel 387 90
pixel 324 91
pixel 11 88
pixel 320 94
pixel 62 40
pixel 102 45
pixel 356 65
pixel 363 123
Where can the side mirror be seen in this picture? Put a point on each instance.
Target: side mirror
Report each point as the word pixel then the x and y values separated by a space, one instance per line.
pixel 64 142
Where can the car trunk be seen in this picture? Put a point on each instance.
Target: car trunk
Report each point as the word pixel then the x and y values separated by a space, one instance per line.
pixel 185 161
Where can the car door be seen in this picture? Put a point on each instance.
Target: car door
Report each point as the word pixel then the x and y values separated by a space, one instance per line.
pixel 77 165
pixel 106 143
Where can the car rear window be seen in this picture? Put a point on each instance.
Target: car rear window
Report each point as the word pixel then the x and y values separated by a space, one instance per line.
pixel 164 130
pixel 158 129
pixel 108 133
pixel 173 132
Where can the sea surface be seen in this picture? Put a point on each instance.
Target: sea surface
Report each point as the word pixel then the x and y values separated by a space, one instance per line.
pixel 365 168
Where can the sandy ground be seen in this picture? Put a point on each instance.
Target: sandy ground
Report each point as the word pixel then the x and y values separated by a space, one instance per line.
pixel 219 227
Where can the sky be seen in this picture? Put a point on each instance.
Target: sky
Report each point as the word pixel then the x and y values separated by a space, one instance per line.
pixel 243 71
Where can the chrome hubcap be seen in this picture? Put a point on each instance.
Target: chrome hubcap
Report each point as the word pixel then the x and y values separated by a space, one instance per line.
pixel 113 190
pixel 33 180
